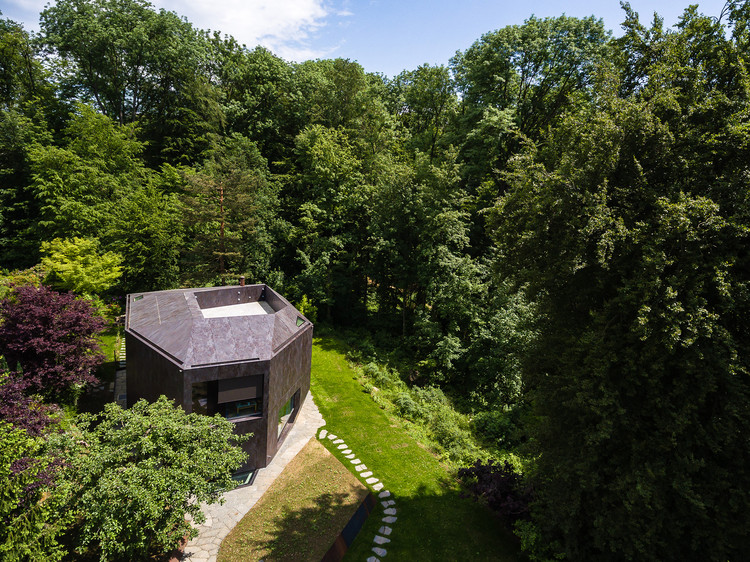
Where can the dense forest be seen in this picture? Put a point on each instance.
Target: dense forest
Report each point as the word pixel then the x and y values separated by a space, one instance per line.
pixel 553 229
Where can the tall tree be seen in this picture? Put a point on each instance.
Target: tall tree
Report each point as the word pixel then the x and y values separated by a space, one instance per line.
pixel 136 64
pixel 630 226
pixel 426 103
pixel 531 73
pixel 227 209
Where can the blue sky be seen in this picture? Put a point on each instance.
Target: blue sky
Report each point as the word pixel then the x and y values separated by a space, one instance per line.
pixel 385 36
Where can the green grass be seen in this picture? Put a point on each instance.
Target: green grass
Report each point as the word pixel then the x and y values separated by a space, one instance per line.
pixel 300 515
pixel 434 521
pixel 92 400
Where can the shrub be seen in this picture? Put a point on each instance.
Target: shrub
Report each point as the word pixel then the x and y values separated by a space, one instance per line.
pixel 407 407
pixel 500 487
pixel 380 376
pixel 497 426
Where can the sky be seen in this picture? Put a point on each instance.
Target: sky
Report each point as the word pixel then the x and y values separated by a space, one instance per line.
pixel 385 36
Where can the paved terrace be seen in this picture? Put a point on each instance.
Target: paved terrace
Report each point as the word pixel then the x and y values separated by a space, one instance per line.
pixel 220 519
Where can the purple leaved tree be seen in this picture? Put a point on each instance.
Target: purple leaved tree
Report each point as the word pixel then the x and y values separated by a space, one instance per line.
pixel 50 339
pixel 22 411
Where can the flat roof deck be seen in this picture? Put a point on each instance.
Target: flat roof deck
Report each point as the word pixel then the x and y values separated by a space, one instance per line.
pixel 242 309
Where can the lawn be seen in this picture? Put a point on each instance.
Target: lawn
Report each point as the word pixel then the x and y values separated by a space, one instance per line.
pixel 434 521
pixel 300 515
pixel 94 399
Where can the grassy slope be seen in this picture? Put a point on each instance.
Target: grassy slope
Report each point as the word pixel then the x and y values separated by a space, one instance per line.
pixel 434 522
pixel 300 515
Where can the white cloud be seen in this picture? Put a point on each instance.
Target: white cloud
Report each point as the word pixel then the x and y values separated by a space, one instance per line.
pixel 289 28
pixel 286 27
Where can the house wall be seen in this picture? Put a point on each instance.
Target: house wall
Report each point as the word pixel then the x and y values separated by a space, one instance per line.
pixel 290 372
pixel 150 374
pixel 229 295
pixel 256 446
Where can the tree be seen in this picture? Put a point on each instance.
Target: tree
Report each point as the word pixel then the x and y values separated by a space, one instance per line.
pixel 76 265
pixel 327 207
pixel 29 519
pixel 21 75
pixel 80 187
pixel 19 208
pixel 52 337
pixel 136 64
pixel 227 208
pixel 149 236
pixel 141 471
pixel 627 226
pixel 530 73
pixel 426 103
pixel 23 411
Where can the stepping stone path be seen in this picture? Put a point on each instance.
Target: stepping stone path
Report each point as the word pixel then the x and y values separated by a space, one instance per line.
pixel 389 509
pixel 121 355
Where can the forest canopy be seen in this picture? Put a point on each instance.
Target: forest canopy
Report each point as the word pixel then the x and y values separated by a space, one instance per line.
pixel 553 228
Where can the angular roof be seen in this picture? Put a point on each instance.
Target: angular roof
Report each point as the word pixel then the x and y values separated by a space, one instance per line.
pixel 201 327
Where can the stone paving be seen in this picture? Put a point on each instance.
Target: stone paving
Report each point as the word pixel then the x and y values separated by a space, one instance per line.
pixel 220 519
pixel 389 509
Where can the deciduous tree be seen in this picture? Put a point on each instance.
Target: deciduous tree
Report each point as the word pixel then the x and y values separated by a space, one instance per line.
pixel 140 471
pixel 51 336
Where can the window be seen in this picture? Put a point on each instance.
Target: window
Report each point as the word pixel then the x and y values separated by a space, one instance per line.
pixel 240 397
pixel 232 398
pixel 287 412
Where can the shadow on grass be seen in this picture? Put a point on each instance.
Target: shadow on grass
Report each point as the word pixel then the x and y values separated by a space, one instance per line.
pixel 328 340
pixel 303 533
pixel 439 527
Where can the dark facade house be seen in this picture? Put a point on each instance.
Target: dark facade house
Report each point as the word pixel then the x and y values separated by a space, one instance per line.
pixel 243 352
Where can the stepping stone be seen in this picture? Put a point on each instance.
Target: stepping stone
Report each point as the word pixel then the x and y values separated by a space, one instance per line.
pixel 337 441
pixel 389 519
pixel 389 503
pixel 379 551
pixel 365 474
pixel 331 436
pixel 347 452
pixel 371 480
pixel 373 559
pixel 350 456
pixel 356 461
pixel 385 530
pixel 390 511
pixel 342 446
pixel 377 487
pixel 360 468
pixel 323 434
pixel 380 540
pixel 384 494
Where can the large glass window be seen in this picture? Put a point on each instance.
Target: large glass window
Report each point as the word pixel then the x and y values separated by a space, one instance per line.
pixel 232 398
pixel 287 412
pixel 241 408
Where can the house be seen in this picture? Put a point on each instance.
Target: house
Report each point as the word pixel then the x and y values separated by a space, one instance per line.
pixel 242 351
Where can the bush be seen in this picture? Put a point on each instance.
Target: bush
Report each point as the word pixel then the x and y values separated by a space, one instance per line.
pixel 139 471
pixel 500 487
pixel 457 443
pixel 407 407
pixel 380 376
pixel 431 397
pixel 497 426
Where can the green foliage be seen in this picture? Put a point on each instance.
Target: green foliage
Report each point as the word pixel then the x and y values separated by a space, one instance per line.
pixel 29 522
pixel 76 265
pixel 227 213
pixel 308 309
pixel 529 74
pixel 140 471
pixel 627 226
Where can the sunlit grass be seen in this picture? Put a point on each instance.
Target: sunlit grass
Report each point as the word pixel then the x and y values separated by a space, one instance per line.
pixel 434 521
